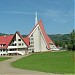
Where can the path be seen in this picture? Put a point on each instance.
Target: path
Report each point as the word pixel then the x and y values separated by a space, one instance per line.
pixel 7 69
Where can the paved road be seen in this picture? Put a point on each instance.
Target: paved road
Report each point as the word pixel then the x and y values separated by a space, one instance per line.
pixel 7 69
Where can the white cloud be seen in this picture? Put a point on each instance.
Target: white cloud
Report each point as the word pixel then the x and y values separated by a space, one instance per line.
pixel 55 15
pixel 17 12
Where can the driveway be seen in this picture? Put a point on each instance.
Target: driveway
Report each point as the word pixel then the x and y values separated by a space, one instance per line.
pixel 7 69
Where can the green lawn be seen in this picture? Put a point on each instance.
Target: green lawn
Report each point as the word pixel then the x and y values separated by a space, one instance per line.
pixel 4 58
pixel 53 62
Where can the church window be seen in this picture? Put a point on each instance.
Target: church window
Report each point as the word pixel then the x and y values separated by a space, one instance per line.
pixel 19 39
pixel 32 35
pixel 22 44
pixel 19 44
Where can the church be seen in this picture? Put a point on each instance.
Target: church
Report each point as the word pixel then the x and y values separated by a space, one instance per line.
pixel 39 40
pixel 36 41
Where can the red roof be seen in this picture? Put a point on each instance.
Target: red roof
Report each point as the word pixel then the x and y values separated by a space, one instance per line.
pixel 47 39
pixel 26 40
pixel 5 40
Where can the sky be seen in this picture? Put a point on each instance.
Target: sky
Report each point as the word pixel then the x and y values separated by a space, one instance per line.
pixel 19 15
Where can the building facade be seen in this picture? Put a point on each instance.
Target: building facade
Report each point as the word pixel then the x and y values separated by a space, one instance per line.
pixel 39 40
pixel 36 41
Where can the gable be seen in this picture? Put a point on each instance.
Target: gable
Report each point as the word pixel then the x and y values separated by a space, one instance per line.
pixel 17 41
pixel 45 36
pixel 20 41
pixel 34 29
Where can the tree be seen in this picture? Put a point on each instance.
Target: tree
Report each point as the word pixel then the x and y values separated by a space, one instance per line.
pixel 72 41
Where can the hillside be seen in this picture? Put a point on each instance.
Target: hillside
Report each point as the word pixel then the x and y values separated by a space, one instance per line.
pixel 54 37
pixel 58 39
pixel 2 34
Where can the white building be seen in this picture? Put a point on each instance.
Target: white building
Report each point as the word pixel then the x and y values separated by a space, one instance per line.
pixel 13 44
pixel 36 41
pixel 39 40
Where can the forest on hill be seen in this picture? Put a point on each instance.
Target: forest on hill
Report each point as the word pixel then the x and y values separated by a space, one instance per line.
pixel 67 41
pixel 2 34
pixel 57 38
pixel 60 39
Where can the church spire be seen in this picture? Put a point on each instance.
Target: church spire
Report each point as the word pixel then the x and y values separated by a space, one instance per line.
pixel 36 18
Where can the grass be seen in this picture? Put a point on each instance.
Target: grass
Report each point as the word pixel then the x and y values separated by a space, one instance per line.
pixel 51 62
pixel 4 58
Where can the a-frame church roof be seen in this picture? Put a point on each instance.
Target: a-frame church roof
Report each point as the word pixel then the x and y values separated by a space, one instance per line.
pixel 46 37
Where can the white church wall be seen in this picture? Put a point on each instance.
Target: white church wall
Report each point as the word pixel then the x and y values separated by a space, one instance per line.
pixel 39 41
pixel 43 45
pixel 36 41
pixel 42 41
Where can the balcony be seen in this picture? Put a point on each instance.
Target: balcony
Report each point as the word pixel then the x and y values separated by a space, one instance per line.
pixel 10 47
pixel 19 52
